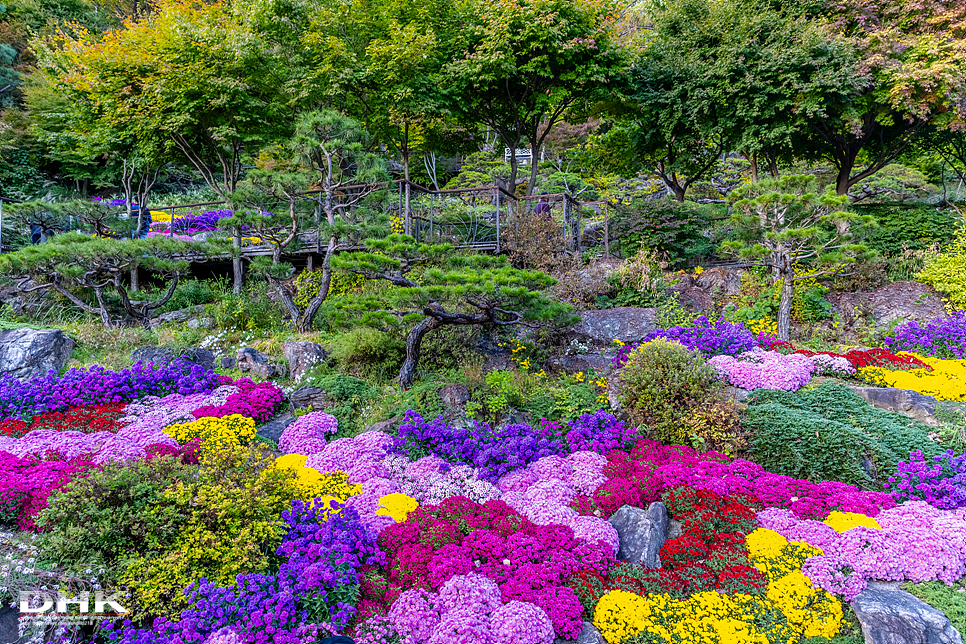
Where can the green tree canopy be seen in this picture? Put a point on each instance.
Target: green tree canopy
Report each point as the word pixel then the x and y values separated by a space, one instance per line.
pixel 450 289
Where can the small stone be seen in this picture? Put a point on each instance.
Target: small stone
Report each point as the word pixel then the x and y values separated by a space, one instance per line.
pixel 386 426
pixel 253 361
pixel 273 430
pixel 312 397
pixel 227 362
pixel 889 615
pixel 590 635
pixel 194 323
pixel 641 533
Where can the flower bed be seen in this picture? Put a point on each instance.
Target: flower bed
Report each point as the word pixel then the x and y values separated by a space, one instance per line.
pixel 944 379
pixel 51 392
pixel 480 534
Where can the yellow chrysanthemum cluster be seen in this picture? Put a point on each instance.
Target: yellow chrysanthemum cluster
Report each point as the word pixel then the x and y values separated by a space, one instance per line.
pixel 704 618
pixel 310 484
pixel 222 435
pixel 842 521
pixel 946 381
pixel 397 225
pixel 810 612
pixel 790 611
pixel 397 506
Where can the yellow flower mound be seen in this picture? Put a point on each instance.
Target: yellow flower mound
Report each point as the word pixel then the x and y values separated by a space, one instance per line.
pixel 843 521
pixel 811 612
pixel 216 434
pixel 397 505
pixel 946 381
pixel 310 484
pixel 775 556
pixel 704 618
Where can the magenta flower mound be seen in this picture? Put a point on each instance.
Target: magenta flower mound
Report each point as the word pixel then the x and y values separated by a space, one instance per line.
pixel 101 447
pixel 306 434
pixel 472 591
pixel 26 484
pixel 522 623
pixel 462 626
pixel 759 369
pixel 254 400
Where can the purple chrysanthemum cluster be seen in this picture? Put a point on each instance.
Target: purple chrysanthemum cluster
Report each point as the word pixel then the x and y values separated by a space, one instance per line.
pixel 710 338
pixel 943 338
pixel 941 484
pixel 207 220
pixel 96 386
pixel 494 451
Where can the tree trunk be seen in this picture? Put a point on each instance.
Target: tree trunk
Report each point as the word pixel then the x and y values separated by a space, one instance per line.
pixel 678 192
pixel 237 269
pixel 785 304
pixel 307 317
pixel 134 280
pixel 407 213
pixel 534 170
pixel 413 344
pixel 753 159
pixel 842 184
pixel 512 188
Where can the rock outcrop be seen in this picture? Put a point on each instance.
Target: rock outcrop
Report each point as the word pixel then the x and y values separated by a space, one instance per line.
pixel 161 355
pixel 641 533
pixel 626 323
pixel 895 302
pixel 28 352
pixel 301 356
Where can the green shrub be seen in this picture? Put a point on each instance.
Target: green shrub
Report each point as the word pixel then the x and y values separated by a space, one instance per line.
pixel 563 402
pixel 951 600
pixel 252 310
pixel 829 433
pixel 192 292
pixel 368 353
pixel 451 347
pixel 674 228
pixel 913 227
pixel 103 518
pixel 348 395
pixel 159 525
pixel 662 383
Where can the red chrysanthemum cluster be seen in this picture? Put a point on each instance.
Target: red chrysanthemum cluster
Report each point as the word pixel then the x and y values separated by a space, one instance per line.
pixel 859 358
pixel 87 419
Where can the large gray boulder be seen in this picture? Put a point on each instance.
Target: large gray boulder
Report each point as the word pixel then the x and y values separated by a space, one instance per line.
pixel 889 615
pixel 273 430
pixel 580 363
pixel 895 302
pixel 903 401
pixel 626 323
pixel 301 356
pixel 28 352
pixel 162 355
pixel 641 533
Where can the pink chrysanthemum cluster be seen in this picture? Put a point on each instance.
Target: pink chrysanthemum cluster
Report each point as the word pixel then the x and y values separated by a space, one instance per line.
pixel 760 369
pixel 468 609
pixel 917 542
pixel 306 435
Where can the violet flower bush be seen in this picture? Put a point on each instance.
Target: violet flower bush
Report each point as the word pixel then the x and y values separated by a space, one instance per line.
pixel 943 338
pixel 307 434
pixel 710 338
pixel 96 386
pixel 941 484
pixel 494 451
